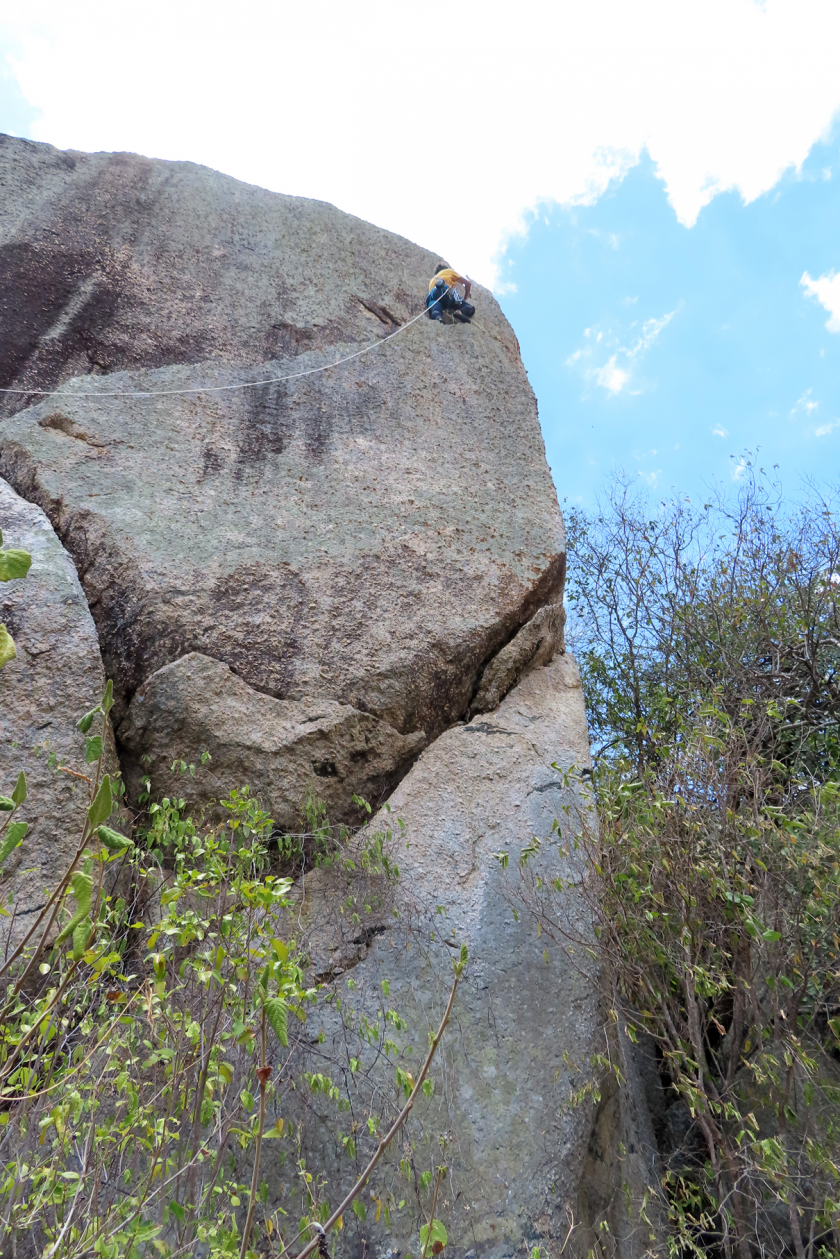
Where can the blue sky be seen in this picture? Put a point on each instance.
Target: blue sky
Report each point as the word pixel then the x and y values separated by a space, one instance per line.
pixel 677 155
pixel 667 350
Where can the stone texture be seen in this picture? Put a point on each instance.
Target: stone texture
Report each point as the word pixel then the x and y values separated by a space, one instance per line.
pixel 522 1031
pixel 370 535
pixel 534 645
pixel 280 748
pixel 56 677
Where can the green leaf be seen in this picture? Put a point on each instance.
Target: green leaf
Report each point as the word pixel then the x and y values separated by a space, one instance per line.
pixel 93 748
pixel 100 810
pixel 19 793
pixel 462 960
pixel 276 1012
pixel 433 1233
pixel 13 838
pixel 81 936
pixel 771 935
pixel 14 564
pixel 84 723
pixel 108 698
pixel 8 651
pixel 359 1209
pixel 6 804
pixel 112 839
pixel 178 1211
pixel 81 885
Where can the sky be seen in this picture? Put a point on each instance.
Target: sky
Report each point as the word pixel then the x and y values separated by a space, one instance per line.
pixel 651 187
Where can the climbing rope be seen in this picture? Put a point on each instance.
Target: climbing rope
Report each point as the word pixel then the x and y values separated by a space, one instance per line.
pixel 248 384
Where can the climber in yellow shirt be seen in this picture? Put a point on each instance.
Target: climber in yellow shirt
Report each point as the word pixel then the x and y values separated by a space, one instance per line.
pixel 444 301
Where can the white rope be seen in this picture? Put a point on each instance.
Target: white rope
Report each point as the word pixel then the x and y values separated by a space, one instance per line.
pixel 250 384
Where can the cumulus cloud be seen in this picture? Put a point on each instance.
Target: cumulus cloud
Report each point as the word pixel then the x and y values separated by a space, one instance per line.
pixel 720 431
pixel 826 290
pixel 547 102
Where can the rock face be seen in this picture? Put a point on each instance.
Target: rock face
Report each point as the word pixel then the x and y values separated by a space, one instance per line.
pixel 280 748
pixel 370 535
pixel 56 677
pixel 317 580
pixel 526 1020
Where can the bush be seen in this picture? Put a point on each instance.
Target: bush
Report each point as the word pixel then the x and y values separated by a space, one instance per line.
pixel 709 644
pixel 147 1036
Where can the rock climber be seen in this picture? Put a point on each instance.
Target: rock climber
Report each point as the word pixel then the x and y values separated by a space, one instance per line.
pixel 444 301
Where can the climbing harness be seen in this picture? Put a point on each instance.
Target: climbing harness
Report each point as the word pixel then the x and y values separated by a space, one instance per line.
pixel 248 384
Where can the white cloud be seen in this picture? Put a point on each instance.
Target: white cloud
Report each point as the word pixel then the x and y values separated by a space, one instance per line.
pixel 719 431
pixel 610 376
pixel 546 102
pixel 804 405
pixel 650 331
pixel 739 468
pixel 825 429
pixel 617 372
pixel 826 290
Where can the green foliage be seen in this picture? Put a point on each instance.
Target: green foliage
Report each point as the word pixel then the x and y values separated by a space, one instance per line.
pixel 8 651
pixel 434 1236
pixel 112 840
pixel 709 645
pixel 14 837
pixel 735 602
pixel 277 1013
pixel 146 1043
pixel 14 564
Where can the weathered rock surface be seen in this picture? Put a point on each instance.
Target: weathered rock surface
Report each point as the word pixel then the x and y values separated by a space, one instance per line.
pixel 536 644
pixel 57 675
pixel 523 1030
pixel 370 535
pixel 280 748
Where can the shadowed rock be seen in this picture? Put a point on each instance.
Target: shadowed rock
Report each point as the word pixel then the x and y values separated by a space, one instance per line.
pixel 534 645
pixel 56 677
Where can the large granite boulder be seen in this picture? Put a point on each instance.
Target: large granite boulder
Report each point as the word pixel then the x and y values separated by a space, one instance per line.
pixel 56 676
pixel 370 535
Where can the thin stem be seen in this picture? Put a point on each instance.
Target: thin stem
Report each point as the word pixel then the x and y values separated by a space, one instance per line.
pixel 441 1170
pixel 393 1130
pixel 262 1075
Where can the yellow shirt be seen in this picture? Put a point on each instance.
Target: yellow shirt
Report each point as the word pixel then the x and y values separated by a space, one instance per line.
pixel 448 276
